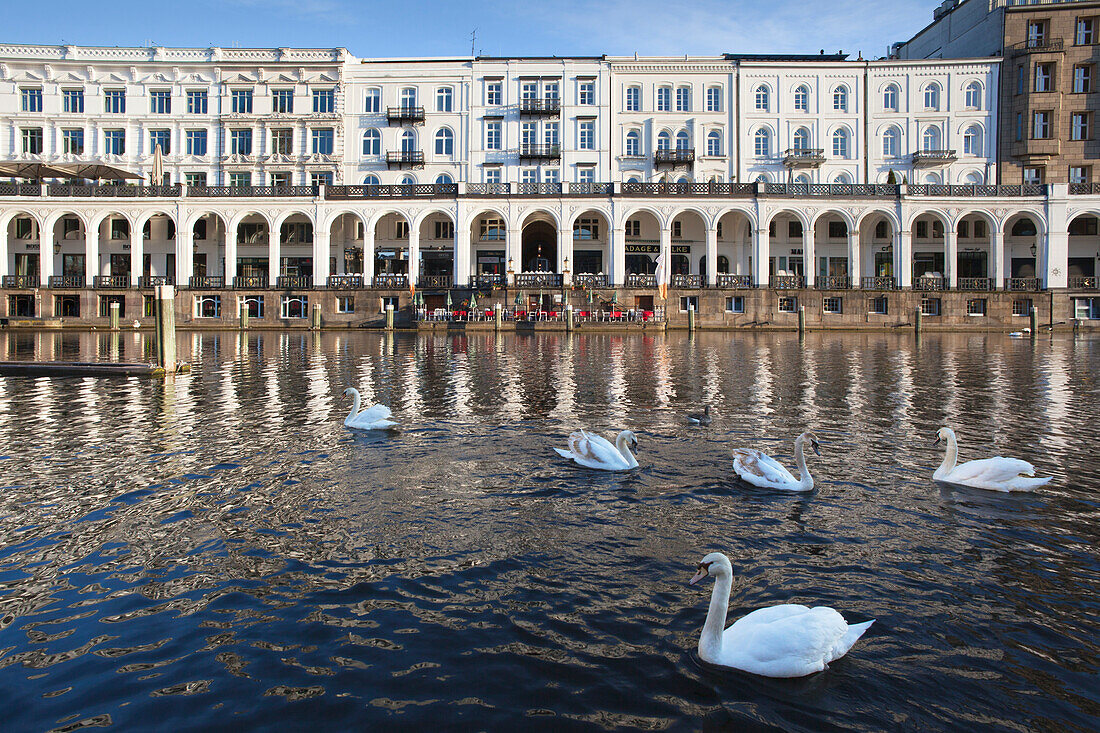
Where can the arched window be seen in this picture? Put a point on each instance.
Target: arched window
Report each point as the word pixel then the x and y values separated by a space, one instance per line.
pixel 633 179
pixel 762 101
pixel 664 140
pixel 890 98
pixel 370 180
pixel 932 179
pixel 408 97
pixel 408 141
pixel 372 142
pixel 634 143
pixel 974 95
pixel 1024 228
pixel 932 96
pixel 444 99
pixel 762 178
pixel 408 180
pixel 444 142
pixel 840 143
pixel 842 179
pixel 801 139
pixel 840 99
pixel 802 179
pixel 714 143
pixel 890 142
pixel 973 178
pixel 682 140
pixel 444 179
pixel 930 139
pixel 972 141
pixel 802 98
pixel 762 143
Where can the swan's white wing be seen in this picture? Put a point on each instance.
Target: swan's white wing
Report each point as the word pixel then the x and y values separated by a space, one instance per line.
pixel 760 469
pixel 1002 474
pixel 372 418
pixel 592 451
pixel 373 413
pixel 798 641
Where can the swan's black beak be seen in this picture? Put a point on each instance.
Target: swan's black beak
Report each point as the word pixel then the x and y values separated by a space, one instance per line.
pixel 936 441
pixel 816 446
pixel 699 575
pixel 633 444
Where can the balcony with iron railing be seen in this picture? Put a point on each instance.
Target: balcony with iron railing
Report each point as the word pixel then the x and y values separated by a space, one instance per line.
pixel 1038 45
pixel 206 282
pixel 251 191
pixel 671 188
pixel 878 282
pixel 390 281
pixel 148 282
pixel 1022 284
pixel 727 281
pixel 539 152
pixel 803 157
pixel 928 283
pixel 641 280
pixel 833 282
pixel 1082 282
pixel 20 281
pixel 589 280
pixel 66 281
pixel 681 156
pixel 435 281
pixel 687 281
pixel 976 283
pixel 346 282
pixel 591 188
pixel 538 280
pixel 250 281
pixel 11 188
pixel 972 190
pixel 926 158
pixel 1084 189
pixel 396 191
pixel 294 282
pixel 488 189
pixel 539 107
pixel 116 282
pixel 405 159
pixel 787 282
pixel 839 190
pixel 112 191
pixel 405 115
pixel 487 281
pixel 539 189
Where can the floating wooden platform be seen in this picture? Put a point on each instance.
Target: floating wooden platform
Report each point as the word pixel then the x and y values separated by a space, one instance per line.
pixel 77 369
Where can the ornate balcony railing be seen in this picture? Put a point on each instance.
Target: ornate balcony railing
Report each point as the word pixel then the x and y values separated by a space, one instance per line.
pixel 661 188
pixel 206 282
pixel 20 281
pixel 111 281
pixel 1030 284
pixel 928 283
pixel 640 280
pixel 1082 282
pixel 148 282
pixel 391 281
pixel 538 189
pixel 727 281
pixel 250 281
pixel 803 157
pixel 538 280
pixel 589 280
pixel 398 191
pixel 346 282
pixel 539 152
pixel 294 282
pixel 435 281
pixel 1084 189
pixel 404 114
pixel 683 156
pixel 687 281
pixel 405 158
pixel 965 191
pixel 487 281
pixel 10 188
pixel 251 191
pixel 66 281
pixel 1038 45
pixel 976 283
pixel 879 282
pixel 591 189
pixel 539 107
pixel 934 157
pixel 112 191
pixel 787 282
pixel 488 189
pixel 833 282
pixel 831 189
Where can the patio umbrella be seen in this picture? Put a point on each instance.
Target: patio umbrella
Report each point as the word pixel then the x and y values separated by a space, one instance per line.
pixel 591 297
pixel 158 166
pixel 519 299
pixel 29 169
pixel 95 170
pixel 418 299
pixel 448 300
pixel 473 300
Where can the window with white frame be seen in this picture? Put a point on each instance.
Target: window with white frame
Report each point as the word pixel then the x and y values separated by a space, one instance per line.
pixel 586 228
pixel 788 304
pixel 160 101
pixel 195 179
pixel 408 98
pixel 493 135
pixel 1082 78
pixel 529 90
pixel 664 140
pixel 930 139
pixel 633 99
pixel 254 304
pixel 975 307
pixel 1085 32
pixel 735 304
pixel 1021 307
pixel 240 180
pixel 802 98
pixel 714 99
pixel 444 229
pixel 444 99
pixel 493 174
pixel 1040 125
pixel 444 142
pixel 282 101
pixel 930 306
pixel 840 99
pixel 633 228
pixel 444 179
pixel 295 306
pixel 324 140
pixel 32 140
pixel 633 143
pixel 345 303
pixel 550 134
pixel 890 98
pixel 550 175
pixel 72 101
pixel 1079 126
pixel 840 143
pixel 890 142
pixel 372 100
pixel 878 305
pixel 494 93
pixel 492 230
pixel 240 142
pixel 664 99
pixel 114 101
pixel 683 142
pixel 801 139
pixel 714 143
pixel 1084 308
pixel 762 143
pixel 932 96
pixel 324 101
pixel 372 143
pixel 586 92
pixel 832 305
pixel 1044 75
pixel 31 99
pixel 529 175
pixel 972 140
pixel 683 99
pixel 550 90
pixel 114 142
pixel 241 101
pixel 586 174
pixel 208 306
pixel 72 141
pixel 408 141
pixel 586 139
pixel 762 98
pixel 973 95
pixel 371 180
pixel 528 134
pixel 163 139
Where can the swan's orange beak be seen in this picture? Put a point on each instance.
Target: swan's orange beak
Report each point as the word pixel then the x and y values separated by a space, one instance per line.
pixel 699 575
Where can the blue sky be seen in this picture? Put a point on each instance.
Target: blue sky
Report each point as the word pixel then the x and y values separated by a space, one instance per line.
pixel 504 27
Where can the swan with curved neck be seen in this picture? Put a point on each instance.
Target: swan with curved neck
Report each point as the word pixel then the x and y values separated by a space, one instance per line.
pixel 593 451
pixel 995 474
pixel 760 469
pixel 787 640
pixel 375 417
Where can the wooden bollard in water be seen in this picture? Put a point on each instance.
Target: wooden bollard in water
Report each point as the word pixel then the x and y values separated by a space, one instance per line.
pixel 315 317
pixel 691 318
pixel 389 316
pixel 802 319
pixel 1034 321
pixel 917 320
pixel 165 303
pixel 498 316
pixel 114 311
pixel 569 317
pixel 243 314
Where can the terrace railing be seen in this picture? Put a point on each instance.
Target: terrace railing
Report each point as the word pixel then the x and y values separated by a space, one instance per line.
pixel 733 282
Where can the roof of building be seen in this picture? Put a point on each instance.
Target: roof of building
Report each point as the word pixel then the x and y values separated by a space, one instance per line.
pixel 838 56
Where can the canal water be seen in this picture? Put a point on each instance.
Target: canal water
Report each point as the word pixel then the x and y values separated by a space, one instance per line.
pixel 220 552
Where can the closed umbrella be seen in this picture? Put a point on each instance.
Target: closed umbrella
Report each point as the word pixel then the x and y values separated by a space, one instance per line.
pixel 449 300
pixel 473 301
pixel 158 166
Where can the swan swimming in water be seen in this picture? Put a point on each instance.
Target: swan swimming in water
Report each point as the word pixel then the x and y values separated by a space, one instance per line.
pixel 995 474
pixel 787 640
pixel 372 418
pixel 592 451
pixel 762 470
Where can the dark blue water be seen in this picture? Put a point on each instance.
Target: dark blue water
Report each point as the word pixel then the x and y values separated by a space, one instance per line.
pixel 219 552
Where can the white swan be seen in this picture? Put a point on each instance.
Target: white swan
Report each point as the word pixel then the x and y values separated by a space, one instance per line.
pixel 764 471
pixel 996 474
pixel 372 418
pixel 788 640
pixel 592 451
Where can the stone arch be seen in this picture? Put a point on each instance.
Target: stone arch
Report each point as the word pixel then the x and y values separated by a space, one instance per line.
pixel 634 211
pixel 539 242
pixel 589 231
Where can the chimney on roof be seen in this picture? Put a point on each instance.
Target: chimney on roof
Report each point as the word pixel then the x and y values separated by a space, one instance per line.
pixel 822 52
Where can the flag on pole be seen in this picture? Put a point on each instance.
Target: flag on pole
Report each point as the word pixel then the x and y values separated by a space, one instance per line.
pixel 662 279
